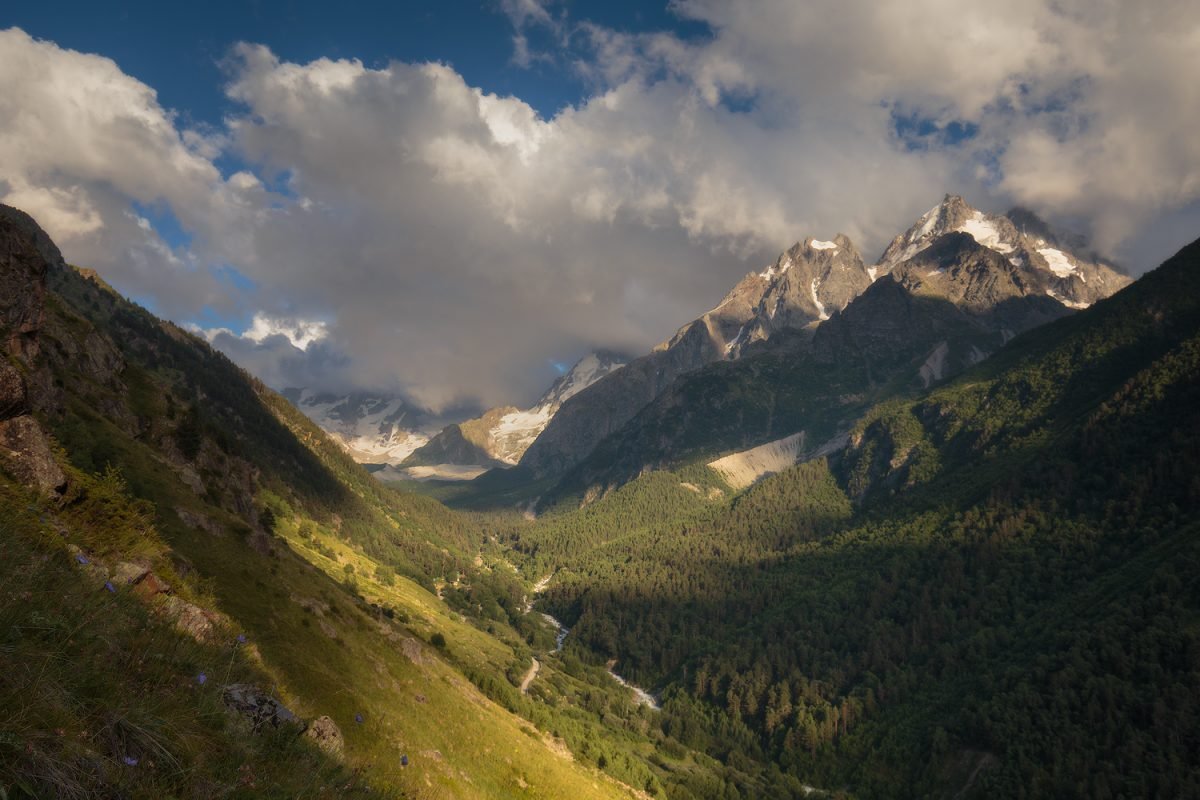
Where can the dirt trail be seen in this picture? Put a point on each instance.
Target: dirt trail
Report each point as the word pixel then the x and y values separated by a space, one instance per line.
pixel 529 676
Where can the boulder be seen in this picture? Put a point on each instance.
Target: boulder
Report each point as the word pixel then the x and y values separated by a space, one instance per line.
pixel 326 734
pixel 127 574
pixel 148 585
pixel 25 452
pixel 189 618
pixel 258 707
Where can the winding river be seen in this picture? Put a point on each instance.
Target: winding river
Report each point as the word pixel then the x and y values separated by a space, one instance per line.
pixel 640 695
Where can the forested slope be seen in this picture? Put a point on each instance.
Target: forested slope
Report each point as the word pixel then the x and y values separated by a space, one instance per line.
pixel 990 592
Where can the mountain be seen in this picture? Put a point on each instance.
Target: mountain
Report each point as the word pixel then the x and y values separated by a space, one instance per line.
pixel 373 428
pixel 209 598
pixel 946 295
pixel 986 590
pixel 501 436
pixel 1052 264
pixel 807 283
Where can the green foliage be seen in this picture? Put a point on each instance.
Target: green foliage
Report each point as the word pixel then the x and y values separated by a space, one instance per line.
pixel 1006 609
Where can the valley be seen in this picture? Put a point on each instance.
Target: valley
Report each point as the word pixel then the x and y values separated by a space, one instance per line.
pixel 871 552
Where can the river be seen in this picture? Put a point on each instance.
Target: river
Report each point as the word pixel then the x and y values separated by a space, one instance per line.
pixel 640 695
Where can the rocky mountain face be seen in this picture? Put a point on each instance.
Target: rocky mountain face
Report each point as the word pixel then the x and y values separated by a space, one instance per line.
pixel 987 277
pixel 25 253
pixel 808 282
pixel 1051 264
pixel 373 429
pixel 947 294
pixel 501 435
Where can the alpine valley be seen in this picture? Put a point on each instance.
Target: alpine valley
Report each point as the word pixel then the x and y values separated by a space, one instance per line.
pixel 924 526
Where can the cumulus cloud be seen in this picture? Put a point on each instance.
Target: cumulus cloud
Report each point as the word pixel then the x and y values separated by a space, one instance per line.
pixel 456 242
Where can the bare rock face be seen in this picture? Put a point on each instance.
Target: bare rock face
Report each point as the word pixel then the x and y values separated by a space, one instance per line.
pixel 25 453
pixel 189 618
pixel 257 706
pixel 25 253
pixel 807 284
pixel 325 732
pixel 127 573
pixel 14 398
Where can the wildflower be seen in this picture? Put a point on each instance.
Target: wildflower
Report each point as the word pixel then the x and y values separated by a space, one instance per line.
pixel 358 718
pixel 201 679
pixel 130 761
pixel 108 585
pixel 81 558
pixel 404 761
pixel 241 638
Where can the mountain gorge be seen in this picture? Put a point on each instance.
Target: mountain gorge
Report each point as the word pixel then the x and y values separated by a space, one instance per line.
pixel 921 528
pixel 206 597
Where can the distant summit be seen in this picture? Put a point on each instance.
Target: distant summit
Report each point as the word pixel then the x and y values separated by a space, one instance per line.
pixel 999 275
pixel 502 435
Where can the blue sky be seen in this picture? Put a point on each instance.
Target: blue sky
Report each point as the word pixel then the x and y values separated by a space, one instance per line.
pixel 177 47
pixel 449 198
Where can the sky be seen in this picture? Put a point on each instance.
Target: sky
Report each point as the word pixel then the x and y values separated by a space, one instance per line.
pixel 453 199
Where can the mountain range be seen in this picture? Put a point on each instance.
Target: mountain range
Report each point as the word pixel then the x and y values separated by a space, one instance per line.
pixel 950 290
pixel 925 530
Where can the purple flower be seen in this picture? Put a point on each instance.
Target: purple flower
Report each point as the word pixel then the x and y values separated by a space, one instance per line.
pixel 358 718
pixel 241 638
pixel 108 585
pixel 130 761
pixel 81 558
pixel 201 679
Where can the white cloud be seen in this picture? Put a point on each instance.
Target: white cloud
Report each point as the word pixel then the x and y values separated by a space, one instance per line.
pixel 458 242
pixel 301 333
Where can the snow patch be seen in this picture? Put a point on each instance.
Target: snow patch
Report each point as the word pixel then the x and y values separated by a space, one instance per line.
pixel 820 307
pixel 1068 303
pixel 744 468
pixel 817 244
pixel 778 268
pixel 985 232
pixel 1058 262
pixel 872 272
pixel 929 220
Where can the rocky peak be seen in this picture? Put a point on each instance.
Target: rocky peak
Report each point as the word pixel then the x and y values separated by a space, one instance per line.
pixel 809 281
pixel 1056 265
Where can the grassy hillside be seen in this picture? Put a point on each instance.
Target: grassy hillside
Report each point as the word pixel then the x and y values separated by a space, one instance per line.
pixel 255 525
pixel 989 593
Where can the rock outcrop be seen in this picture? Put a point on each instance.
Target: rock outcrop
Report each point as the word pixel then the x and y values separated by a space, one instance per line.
pixel 326 734
pixel 259 708
pixel 26 254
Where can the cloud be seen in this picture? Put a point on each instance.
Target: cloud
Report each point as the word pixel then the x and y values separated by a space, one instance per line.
pixel 456 242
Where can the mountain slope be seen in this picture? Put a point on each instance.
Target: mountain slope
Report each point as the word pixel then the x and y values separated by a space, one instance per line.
pixel 502 435
pixel 374 429
pixel 949 305
pixel 988 594
pixel 808 282
pixel 981 263
pixel 180 504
